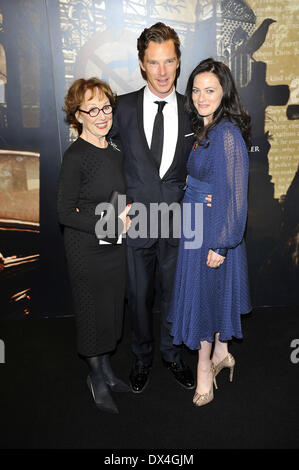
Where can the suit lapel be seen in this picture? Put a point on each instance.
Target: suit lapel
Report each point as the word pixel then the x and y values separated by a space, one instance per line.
pixel 179 144
pixel 140 120
pixel 140 123
pixel 181 131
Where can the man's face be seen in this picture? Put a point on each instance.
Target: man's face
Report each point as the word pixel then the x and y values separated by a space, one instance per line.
pixel 160 64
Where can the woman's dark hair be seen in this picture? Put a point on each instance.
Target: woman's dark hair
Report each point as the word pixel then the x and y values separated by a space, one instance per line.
pixel 230 106
pixel 75 96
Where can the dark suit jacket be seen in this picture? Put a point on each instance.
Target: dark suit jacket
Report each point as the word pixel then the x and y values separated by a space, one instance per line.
pixel 142 176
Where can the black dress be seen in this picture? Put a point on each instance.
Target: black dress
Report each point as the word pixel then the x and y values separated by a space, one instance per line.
pixel 97 272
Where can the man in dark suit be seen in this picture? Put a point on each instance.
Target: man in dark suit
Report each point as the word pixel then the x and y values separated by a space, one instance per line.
pixel 156 138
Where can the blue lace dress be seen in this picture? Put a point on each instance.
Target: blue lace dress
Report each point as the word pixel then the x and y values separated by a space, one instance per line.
pixel 207 300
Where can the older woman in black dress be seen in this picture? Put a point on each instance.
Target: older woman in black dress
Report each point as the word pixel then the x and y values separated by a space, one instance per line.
pixel 92 168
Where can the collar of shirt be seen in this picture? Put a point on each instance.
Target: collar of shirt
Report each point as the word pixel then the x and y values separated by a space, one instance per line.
pixel 170 124
pixel 149 97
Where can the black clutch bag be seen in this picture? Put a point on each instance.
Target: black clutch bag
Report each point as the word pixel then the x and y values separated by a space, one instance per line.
pixel 114 210
pixel 114 200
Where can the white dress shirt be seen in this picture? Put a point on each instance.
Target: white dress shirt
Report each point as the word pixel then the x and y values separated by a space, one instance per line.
pixel 170 113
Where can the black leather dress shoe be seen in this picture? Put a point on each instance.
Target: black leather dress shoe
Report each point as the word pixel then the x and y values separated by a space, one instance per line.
pixel 139 378
pixel 182 373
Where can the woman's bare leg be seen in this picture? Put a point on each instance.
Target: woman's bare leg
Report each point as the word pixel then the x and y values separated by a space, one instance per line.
pixel 220 350
pixel 204 374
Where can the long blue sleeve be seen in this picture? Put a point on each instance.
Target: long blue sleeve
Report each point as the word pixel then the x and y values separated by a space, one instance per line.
pixel 229 199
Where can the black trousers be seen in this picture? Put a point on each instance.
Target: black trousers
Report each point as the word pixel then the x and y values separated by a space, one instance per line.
pixel 142 263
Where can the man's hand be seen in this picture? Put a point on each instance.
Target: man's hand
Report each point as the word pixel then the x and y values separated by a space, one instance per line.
pixel 209 199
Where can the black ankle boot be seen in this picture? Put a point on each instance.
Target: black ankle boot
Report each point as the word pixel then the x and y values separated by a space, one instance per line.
pixel 116 384
pixel 96 383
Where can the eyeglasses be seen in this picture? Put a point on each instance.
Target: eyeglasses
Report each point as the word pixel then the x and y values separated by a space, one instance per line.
pixel 93 112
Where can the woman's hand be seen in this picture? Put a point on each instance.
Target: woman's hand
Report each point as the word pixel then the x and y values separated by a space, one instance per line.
pixel 125 219
pixel 214 260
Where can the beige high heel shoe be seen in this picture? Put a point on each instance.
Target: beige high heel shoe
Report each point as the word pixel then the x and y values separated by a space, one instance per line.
pixel 228 361
pixel 200 399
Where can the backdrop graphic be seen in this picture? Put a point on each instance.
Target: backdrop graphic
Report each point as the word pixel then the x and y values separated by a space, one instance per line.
pixel 46 44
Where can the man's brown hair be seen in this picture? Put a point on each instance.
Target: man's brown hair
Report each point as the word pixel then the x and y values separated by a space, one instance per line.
pixel 159 33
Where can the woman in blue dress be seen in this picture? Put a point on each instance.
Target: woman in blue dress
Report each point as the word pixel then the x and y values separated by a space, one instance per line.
pixel 211 288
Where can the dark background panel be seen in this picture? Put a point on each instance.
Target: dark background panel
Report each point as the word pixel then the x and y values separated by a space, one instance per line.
pixel 29 58
pixel 49 43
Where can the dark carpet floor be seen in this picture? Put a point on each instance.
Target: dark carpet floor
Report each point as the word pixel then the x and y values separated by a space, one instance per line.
pixel 45 403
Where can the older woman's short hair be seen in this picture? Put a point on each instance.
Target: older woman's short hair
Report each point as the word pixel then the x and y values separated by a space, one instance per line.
pixel 75 96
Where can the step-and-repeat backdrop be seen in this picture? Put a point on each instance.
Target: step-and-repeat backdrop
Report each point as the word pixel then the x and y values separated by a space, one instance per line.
pixel 46 44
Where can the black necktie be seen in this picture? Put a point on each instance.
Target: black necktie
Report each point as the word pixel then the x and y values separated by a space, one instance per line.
pixel 158 134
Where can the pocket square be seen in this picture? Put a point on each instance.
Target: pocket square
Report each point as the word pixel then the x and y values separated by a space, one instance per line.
pixel 188 135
